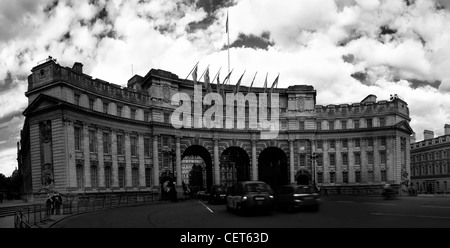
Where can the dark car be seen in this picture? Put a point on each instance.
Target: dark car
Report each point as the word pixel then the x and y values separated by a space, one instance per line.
pixel 296 197
pixel 217 194
pixel 250 195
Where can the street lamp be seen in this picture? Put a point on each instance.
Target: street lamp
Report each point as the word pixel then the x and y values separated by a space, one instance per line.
pixel 314 157
pixel 172 154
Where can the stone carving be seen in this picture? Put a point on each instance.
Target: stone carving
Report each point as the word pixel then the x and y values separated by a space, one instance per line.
pixel 46 131
pixel 47 175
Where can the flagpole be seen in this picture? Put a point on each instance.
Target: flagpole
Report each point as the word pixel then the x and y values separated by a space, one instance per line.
pixel 191 70
pixel 228 38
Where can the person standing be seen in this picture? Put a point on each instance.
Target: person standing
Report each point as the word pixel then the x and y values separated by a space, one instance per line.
pixel 48 205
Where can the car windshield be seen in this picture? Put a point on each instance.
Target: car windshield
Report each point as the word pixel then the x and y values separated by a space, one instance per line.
pixel 304 190
pixel 257 187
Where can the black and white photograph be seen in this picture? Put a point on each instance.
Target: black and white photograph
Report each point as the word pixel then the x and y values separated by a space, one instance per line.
pixel 225 120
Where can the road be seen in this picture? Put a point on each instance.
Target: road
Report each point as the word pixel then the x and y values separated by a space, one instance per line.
pixel 335 212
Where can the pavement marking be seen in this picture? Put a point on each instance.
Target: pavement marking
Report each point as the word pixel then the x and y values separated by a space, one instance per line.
pixel 416 216
pixel 377 203
pixel 428 206
pixel 210 210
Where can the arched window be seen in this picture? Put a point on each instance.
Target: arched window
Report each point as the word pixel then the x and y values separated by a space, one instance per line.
pixel 94 176
pixel 108 181
pixel 135 177
pixel 122 177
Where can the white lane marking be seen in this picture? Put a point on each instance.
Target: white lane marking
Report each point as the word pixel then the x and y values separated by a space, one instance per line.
pixel 210 210
pixel 416 216
pixel 377 203
pixel 427 206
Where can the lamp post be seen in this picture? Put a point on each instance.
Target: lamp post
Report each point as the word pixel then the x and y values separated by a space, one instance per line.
pixel 172 154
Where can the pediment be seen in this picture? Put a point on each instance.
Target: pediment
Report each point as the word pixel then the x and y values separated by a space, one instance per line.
pixel 404 125
pixel 41 102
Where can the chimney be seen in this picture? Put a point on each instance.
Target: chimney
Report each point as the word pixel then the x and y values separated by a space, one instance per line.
pixel 447 129
pixel 78 67
pixel 427 134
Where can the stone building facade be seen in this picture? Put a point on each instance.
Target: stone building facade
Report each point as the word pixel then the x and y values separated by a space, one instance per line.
pixel 87 136
pixel 430 163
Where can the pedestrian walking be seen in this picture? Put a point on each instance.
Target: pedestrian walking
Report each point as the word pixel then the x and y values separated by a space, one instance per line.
pixel 57 203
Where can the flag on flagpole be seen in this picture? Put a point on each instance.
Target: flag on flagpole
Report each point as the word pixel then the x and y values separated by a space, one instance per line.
pixel 274 83
pixel 194 75
pixel 236 89
pixel 218 91
pixel 252 83
pixel 226 24
pixel 207 83
pixel 222 87
pixel 265 83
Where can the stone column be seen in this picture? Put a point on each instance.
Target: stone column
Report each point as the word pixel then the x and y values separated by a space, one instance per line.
pixel 71 165
pixel 155 161
pixel 101 162
pixel 127 161
pixel 291 161
pixel 254 162
pixel 141 161
pixel 87 158
pixel 178 160
pixel 216 162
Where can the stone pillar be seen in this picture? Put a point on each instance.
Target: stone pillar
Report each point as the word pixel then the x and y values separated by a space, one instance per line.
pixel 291 161
pixel 87 158
pixel 72 169
pixel 141 161
pixel 115 168
pixel 155 161
pixel 178 160
pixel 216 162
pixel 254 162
pixel 128 179
pixel 101 162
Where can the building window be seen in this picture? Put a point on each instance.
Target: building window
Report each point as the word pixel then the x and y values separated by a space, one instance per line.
pixel 369 123
pixel 121 177
pixel 356 124
pixel 119 111
pixel 319 126
pixel 331 125
pixel 120 144
pixel 445 186
pixel 332 144
pixel 319 177
pixel 357 158
pixel 94 177
pixel 382 122
pixel 80 176
pixel 319 144
pixel 76 98
pixel 108 177
pixel 91 103
pixel 332 160
pixel 370 176
pixel 147 147
pixel 344 158
pixel 105 107
pixel 302 159
pixel 383 157
pixel 344 124
pixel 166 141
pixel 332 177
pixel 345 177
pixel 135 177
pixel 148 177
pixel 383 141
pixel 78 138
pixel 370 158
pixel 383 176
pixel 166 117
pixel 92 141
pixel 319 159
pixel 133 141
pixel 357 143
pixel 301 125
pixel 344 143
pixel 106 143
pixel 357 176
pixel 369 142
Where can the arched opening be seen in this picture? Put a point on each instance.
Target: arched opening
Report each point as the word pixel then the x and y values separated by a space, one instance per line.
pixel 303 177
pixel 234 166
pixel 196 169
pixel 272 167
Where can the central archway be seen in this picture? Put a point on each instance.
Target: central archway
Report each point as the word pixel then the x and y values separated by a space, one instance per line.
pixel 198 172
pixel 272 167
pixel 234 166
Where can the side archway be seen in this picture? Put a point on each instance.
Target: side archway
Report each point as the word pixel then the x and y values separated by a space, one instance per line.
pixel 272 167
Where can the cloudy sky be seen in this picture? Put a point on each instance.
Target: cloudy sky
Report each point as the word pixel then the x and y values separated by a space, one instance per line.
pixel 346 49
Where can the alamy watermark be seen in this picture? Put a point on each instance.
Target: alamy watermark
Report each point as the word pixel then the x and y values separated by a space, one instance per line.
pixel 213 117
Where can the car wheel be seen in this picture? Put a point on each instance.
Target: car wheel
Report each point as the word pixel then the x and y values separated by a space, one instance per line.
pixel 290 208
pixel 240 210
pixel 228 208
